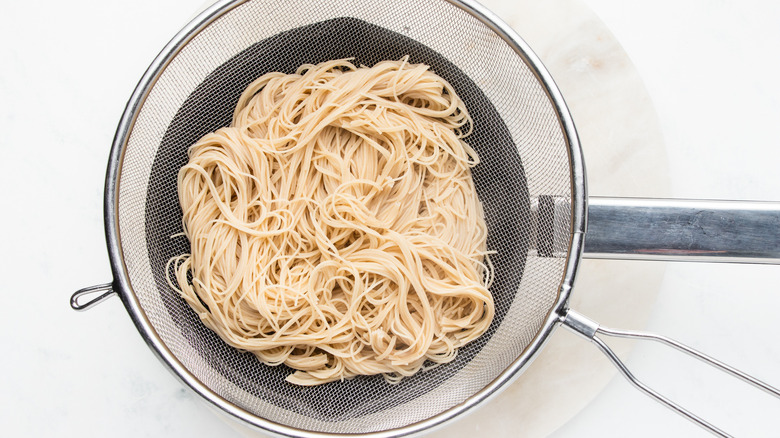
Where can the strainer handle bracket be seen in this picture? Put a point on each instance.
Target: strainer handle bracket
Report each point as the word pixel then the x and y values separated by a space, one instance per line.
pixel 589 329
pixel 103 292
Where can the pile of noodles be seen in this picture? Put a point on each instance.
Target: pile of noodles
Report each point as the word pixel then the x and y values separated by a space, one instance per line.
pixel 334 225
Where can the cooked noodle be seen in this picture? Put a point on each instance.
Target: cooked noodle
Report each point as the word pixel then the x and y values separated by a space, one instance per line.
pixel 334 225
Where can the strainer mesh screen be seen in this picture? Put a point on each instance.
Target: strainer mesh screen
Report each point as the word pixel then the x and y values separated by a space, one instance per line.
pixel 517 135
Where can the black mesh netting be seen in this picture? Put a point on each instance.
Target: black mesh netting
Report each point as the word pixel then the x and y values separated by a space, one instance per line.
pixel 499 180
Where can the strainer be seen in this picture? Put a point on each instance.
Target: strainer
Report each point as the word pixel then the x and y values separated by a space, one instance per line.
pixel 531 181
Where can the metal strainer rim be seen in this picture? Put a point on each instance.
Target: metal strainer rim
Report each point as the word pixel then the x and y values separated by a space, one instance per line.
pixel 152 338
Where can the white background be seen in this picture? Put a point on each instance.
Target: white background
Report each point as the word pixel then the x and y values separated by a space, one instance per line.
pixel 66 71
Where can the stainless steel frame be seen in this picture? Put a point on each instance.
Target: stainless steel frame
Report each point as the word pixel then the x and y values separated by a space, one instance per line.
pixel 559 313
pixel 121 284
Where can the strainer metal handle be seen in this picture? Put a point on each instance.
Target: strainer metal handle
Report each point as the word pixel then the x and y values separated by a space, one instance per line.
pixel 662 229
pixel 587 328
pixel 105 291
pixel 683 230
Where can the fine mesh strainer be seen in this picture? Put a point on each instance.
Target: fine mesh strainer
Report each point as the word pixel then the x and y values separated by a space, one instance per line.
pixel 531 181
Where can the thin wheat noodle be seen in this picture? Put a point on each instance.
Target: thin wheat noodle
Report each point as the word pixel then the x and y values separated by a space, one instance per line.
pixel 334 225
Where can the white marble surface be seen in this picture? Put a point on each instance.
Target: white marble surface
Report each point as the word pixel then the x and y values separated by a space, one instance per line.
pixel 710 69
